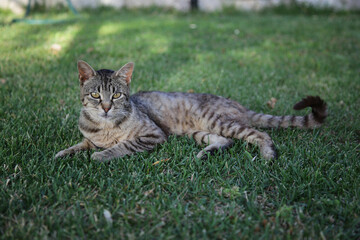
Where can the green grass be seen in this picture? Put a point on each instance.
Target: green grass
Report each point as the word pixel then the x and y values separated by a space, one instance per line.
pixel 311 191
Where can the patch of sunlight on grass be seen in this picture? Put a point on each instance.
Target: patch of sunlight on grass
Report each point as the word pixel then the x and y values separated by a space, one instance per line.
pixel 110 29
pixel 158 43
pixel 66 35
pixel 62 38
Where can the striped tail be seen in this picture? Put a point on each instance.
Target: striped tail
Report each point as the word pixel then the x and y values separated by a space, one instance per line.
pixel 315 119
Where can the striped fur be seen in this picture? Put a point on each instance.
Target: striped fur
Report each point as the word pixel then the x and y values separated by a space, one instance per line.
pixel 139 122
pixel 312 120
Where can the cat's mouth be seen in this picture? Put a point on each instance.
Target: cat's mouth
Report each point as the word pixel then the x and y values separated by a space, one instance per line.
pixel 108 116
pixel 105 114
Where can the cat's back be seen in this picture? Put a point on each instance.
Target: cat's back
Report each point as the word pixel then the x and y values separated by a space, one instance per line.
pixel 182 112
pixel 174 101
pixel 182 100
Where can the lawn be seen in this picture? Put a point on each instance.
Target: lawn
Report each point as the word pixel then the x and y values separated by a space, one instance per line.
pixel 311 191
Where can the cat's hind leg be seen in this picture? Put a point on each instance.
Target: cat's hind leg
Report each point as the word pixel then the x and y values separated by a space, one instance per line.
pixel 214 141
pixel 250 135
pixel 261 139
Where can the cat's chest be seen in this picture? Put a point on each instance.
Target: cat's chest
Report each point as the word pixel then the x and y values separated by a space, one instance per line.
pixel 106 137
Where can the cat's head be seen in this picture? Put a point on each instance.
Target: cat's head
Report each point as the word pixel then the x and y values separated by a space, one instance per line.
pixel 105 93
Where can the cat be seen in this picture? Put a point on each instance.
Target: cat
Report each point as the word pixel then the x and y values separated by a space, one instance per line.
pixel 120 124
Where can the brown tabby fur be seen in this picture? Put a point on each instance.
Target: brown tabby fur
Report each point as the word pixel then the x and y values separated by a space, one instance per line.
pixel 137 123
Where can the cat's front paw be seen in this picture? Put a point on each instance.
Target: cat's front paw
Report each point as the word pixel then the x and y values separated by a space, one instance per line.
pixel 99 156
pixel 61 154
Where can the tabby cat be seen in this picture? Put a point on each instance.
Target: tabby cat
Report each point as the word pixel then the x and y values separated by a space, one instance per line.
pixel 120 124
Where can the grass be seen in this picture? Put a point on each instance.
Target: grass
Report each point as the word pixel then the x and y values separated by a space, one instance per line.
pixel 311 191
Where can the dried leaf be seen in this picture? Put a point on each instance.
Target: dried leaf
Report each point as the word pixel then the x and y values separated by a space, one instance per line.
pixel 264 222
pixel 271 103
pixel 107 216
pixel 193 26
pixel 140 209
pixel 220 191
pixel 163 160
pixel 192 177
pixel 147 193
pixel 55 48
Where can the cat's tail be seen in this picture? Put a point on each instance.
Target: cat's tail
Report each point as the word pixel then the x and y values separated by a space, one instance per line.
pixel 315 119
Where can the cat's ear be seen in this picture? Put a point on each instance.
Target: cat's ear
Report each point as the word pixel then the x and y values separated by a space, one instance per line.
pixel 125 73
pixel 85 71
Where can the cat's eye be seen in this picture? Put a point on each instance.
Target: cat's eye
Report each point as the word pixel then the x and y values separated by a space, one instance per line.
pixel 117 95
pixel 95 95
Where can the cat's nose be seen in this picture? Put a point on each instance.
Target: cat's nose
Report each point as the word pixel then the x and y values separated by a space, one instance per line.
pixel 106 106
